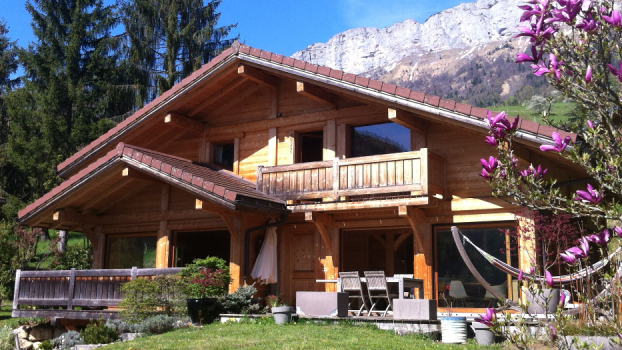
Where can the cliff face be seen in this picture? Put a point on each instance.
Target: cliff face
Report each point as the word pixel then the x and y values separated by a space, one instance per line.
pixel 466 53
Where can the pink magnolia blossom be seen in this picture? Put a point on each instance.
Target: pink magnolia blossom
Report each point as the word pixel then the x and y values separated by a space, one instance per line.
pixel 560 145
pixel 602 238
pixel 588 74
pixel 590 124
pixel 590 196
pixel 549 278
pixel 616 71
pixel 487 319
pixel 615 20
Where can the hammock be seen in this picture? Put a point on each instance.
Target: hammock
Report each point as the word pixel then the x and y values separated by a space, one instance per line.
pixel 558 281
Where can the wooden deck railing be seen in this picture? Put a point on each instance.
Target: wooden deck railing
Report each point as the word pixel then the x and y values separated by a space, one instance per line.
pixel 71 288
pixel 418 172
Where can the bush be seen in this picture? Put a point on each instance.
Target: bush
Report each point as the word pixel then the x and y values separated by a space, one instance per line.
pixel 144 298
pixel 68 340
pixel 207 277
pixel 46 345
pixel 155 325
pixel 241 301
pixel 98 333
pixel 6 338
pixel 75 257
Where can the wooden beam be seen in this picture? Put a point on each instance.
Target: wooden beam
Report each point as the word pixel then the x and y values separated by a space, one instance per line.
pixel 315 93
pixel 182 122
pixel 272 147
pixel 321 221
pixel 399 241
pixel 414 216
pixel 407 120
pixel 210 207
pixel 230 222
pixel 71 216
pixel 236 156
pixel 132 173
pixel 257 76
pixel 216 96
pixel 330 140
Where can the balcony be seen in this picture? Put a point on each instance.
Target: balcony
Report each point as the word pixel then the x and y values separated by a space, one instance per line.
pixel 408 174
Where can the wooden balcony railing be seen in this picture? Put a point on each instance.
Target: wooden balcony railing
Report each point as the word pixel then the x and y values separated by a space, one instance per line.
pixel 419 172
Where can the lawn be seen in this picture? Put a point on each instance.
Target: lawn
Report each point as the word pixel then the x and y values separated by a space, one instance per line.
pixel 302 335
pixel 559 111
pixel 6 320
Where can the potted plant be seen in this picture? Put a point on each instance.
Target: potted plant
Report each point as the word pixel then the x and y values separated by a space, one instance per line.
pixel 203 282
pixel 281 312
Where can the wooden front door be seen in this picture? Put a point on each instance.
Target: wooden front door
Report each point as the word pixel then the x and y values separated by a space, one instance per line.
pixel 300 264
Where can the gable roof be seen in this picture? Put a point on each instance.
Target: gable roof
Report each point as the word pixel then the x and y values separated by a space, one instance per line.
pixel 217 186
pixel 374 89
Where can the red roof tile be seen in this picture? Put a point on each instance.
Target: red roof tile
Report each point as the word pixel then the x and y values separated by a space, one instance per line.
pixel 201 178
pixel 239 49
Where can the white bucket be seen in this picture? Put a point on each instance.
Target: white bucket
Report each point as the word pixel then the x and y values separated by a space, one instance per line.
pixel 454 330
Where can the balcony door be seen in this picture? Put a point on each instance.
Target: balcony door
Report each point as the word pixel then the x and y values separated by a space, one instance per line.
pixel 388 250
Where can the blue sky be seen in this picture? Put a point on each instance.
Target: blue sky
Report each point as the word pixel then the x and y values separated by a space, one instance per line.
pixel 281 26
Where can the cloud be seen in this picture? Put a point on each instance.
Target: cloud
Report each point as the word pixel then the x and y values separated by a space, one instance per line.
pixel 384 13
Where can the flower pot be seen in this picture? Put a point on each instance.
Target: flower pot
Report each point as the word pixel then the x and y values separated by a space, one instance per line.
pixel 282 314
pixel 202 311
pixel 547 301
pixel 453 330
pixel 483 334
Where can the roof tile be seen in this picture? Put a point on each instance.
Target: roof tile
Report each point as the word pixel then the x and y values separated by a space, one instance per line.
pixel 480 113
pixel 432 100
pixel 375 84
pixel 167 168
pixel 255 52
pixel 288 61
pixel 186 176
pixel 323 70
pixel 208 186
pixel 389 88
pixel 563 135
pixel 277 58
pixel 311 67
pixel 176 172
pixel 230 195
pixel 197 181
pixel 299 64
pixel 245 49
pixel 402 92
pixel 156 164
pixel 362 81
pixel 266 55
pixel 146 160
pixel 137 155
pixel 350 78
pixel 546 130
pixel 447 104
pixel 337 74
pixel 219 190
pixel 463 108
pixel 529 126
pixel 417 95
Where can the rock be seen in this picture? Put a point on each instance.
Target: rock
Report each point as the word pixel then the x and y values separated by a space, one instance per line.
pixel 130 336
pixel 41 332
pixel 22 332
pixel 25 344
pixel 36 345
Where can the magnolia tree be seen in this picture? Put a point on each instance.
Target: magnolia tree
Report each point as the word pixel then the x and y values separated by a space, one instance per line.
pixel 576 45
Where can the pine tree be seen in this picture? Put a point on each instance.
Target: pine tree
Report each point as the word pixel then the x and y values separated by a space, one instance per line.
pixel 72 90
pixel 169 39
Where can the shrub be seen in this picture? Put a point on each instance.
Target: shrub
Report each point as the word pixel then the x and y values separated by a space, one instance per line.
pixel 207 277
pixel 68 340
pixel 75 257
pixel 46 345
pixel 155 325
pixel 241 301
pixel 98 333
pixel 143 298
pixel 6 338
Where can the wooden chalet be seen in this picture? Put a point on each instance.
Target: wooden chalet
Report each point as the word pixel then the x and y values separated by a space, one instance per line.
pixel 357 175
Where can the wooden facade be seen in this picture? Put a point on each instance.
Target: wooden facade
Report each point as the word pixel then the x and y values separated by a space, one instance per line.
pixel 258 107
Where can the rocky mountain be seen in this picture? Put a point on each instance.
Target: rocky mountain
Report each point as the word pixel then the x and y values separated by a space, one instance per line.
pixel 465 53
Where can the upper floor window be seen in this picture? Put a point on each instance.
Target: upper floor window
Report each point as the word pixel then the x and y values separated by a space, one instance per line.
pixel 311 147
pixel 370 140
pixel 224 155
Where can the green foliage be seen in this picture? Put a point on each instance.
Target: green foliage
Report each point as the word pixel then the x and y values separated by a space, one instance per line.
pixel 154 325
pixel 241 301
pixel 6 338
pixel 168 40
pixel 143 298
pixel 68 340
pixel 46 345
pixel 199 285
pixel 98 333
pixel 17 248
pixel 75 257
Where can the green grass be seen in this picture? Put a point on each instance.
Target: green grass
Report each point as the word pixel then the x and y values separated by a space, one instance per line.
pixel 6 320
pixel 292 336
pixel 559 111
pixel 75 238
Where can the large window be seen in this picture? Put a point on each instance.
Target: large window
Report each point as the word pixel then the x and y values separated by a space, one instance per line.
pixel 377 139
pixel 224 155
pixel 389 250
pixel 454 279
pixel 199 245
pixel 127 251
pixel 310 147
